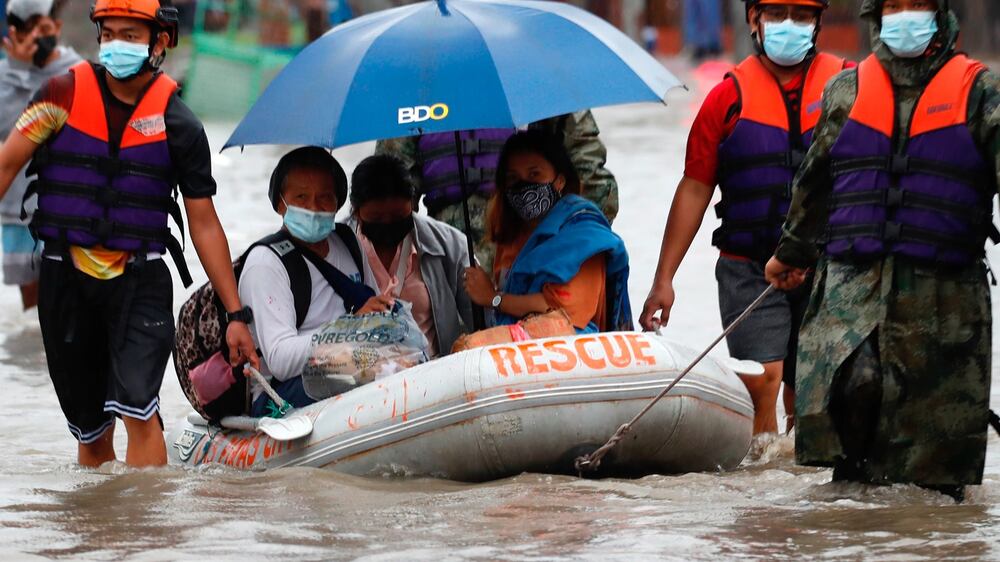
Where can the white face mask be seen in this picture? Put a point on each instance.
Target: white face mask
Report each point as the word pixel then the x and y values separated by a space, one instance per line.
pixel 909 33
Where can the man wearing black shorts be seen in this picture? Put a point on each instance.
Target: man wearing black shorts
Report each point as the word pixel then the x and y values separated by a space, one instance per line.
pixel 110 143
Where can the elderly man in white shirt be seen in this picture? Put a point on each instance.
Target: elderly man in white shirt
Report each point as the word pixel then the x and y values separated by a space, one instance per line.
pixel 307 188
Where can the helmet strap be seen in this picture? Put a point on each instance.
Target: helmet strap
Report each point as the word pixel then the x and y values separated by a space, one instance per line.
pixel 155 61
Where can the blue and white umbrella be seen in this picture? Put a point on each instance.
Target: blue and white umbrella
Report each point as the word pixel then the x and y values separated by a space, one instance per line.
pixel 449 66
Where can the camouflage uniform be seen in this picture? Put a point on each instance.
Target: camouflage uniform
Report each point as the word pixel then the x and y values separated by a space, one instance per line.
pixel 588 154
pixel 894 358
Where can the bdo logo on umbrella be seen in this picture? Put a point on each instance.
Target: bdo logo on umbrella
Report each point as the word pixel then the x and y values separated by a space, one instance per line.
pixel 421 113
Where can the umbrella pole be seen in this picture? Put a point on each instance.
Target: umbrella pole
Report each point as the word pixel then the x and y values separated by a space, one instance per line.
pixel 478 315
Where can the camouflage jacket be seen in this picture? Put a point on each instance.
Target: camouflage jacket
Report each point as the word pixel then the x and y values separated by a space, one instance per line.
pixel 933 326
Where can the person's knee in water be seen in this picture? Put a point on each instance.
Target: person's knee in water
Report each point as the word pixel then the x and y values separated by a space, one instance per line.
pixel 744 141
pixel 908 270
pixel 105 295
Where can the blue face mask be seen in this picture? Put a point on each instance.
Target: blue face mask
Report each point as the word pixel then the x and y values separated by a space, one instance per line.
pixel 123 59
pixel 787 43
pixel 908 34
pixel 308 226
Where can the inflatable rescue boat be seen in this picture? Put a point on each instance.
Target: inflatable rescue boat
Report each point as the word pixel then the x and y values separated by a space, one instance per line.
pixel 498 411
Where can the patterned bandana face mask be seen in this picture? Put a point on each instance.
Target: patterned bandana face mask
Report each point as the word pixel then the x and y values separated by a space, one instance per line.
pixel 532 200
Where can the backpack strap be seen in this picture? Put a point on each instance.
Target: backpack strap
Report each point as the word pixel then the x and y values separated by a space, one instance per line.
pixel 298 274
pixel 347 236
pixel 354 294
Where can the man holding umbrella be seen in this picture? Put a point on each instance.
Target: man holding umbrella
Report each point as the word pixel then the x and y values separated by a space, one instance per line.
pixel 894 380
pixel 750 136
pixel 431 159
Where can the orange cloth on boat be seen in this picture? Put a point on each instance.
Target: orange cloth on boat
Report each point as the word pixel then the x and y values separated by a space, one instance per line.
pixel 583 297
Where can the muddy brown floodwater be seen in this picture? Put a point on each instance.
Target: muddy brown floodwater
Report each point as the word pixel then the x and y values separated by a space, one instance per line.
pixel 767 509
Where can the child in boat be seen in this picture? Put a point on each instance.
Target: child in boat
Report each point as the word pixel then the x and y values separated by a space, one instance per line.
pixel 555 249
pixel 307 188
pixel 413 257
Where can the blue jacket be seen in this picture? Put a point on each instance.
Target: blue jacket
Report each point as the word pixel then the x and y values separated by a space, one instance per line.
pixel 574 231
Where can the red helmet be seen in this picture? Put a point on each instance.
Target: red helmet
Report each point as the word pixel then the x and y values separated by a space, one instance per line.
pixel 148 10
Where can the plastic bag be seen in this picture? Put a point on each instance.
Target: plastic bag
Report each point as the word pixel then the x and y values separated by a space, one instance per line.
pixel 355 350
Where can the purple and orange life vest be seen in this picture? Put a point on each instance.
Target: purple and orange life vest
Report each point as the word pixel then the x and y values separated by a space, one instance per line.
pixel 91 192
pixel 927 199
pixel 438 158
pixel 758 160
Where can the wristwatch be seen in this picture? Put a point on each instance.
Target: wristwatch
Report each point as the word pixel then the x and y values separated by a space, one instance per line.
pixel 244 315
pixel 495 303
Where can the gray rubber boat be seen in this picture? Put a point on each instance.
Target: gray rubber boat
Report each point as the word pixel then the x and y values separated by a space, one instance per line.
pixel 498 411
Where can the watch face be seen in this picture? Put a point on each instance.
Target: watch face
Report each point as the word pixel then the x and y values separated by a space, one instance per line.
pixel 496 301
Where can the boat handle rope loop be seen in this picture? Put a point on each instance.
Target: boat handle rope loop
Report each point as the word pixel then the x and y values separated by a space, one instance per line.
pixel 593 460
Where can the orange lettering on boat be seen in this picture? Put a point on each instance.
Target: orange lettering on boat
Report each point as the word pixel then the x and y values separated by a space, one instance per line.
pixel 623 357
pixel 581 350
pixel 514 393
pixel 504 356
pixel 569 361
pixel 406 394
pixel 530 352
pixel 640 343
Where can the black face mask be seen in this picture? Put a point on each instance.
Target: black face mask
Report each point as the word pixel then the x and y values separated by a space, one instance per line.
pixel 532 200
pixel 387 234
pixel 46 45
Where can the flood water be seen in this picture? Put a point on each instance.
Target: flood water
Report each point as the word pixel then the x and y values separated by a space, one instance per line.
pixel 767 509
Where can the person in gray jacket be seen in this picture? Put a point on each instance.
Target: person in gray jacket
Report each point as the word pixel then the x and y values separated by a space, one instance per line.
pixel 413 257
pixel 33 57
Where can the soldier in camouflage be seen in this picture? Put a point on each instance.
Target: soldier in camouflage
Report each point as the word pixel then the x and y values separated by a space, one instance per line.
pixel 581 137
pixel 894 354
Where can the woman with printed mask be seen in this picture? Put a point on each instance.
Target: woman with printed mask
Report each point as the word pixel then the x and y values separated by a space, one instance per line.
pixel 413 257
pixel 555 249
pixel 892 207
pixel 748 139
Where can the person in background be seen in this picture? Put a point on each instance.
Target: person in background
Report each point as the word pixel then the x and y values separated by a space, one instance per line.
pixel 703 28
pixel 307 188
pixel 895 200
pixel 749 137
pixel 555 249
pixel 34 56
pixel 413 257
pixel 432 162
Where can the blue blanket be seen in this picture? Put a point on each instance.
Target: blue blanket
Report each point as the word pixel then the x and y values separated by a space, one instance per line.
pixel 574 231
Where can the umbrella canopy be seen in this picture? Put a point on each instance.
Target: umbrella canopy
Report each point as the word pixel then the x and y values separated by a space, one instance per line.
pixel 437 67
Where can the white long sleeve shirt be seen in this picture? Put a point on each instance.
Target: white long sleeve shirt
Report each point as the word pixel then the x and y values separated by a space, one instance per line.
pixel 265 287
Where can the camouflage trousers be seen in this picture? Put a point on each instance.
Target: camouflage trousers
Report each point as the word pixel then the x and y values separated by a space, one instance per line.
pixel 454 216
pixel 909 403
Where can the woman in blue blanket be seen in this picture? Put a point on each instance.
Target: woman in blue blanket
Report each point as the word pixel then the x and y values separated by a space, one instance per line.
pixel 555 249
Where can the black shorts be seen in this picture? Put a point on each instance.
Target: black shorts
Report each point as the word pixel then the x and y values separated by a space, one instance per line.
pixel 771 332
pixel 106 342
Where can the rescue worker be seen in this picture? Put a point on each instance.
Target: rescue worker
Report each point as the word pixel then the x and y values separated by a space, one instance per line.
pixel 109 143
pixel 33 57
pixel 749 138
pixel 433 165
pixel 894 355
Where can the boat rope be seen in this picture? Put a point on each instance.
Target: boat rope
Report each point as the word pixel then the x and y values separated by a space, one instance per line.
pixel 995 421
pixel 593 460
